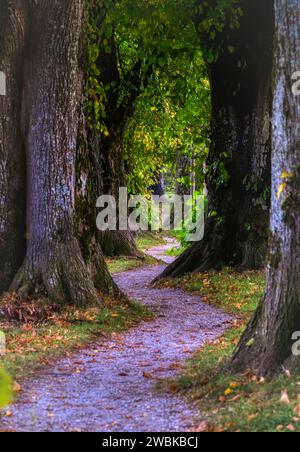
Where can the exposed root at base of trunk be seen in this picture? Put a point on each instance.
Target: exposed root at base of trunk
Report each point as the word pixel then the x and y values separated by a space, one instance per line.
pixel 59 273
pixel 201 256
pixel 260 354
pixel 218 249
pixel 101 277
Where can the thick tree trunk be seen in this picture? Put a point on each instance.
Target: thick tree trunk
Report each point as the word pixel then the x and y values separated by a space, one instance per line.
pixel 12 156
pixel 239 162
pixel 89 184
pixel 267 342
pixel 54 265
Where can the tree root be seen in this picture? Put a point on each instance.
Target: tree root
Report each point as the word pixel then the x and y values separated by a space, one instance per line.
pixel 59 273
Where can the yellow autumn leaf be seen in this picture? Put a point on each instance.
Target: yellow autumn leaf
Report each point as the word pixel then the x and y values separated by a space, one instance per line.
pixel 228 392
pixel 286 175
pixel 281 189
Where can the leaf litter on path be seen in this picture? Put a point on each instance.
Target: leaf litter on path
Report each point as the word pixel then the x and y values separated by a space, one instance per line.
pixel 115 391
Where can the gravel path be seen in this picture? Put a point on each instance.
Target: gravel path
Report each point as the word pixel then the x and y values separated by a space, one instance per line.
pixel 111 387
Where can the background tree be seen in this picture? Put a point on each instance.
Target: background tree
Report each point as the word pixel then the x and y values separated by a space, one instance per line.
pixel 239 65
pixel 267 342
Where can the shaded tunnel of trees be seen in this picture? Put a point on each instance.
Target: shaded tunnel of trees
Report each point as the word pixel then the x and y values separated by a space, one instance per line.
pixel 103 94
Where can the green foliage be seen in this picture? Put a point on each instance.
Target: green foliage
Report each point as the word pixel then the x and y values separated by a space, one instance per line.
pixel 186 229
pixel 95 93
pixel 172 119
pixel 214 18
pixel 157 75
pixel 5 388
pixel 218 170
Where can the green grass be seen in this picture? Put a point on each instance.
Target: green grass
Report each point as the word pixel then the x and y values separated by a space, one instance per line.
pixel 235 292
pixel 144 242
pixel 123 264
pixel 228 402
pixel 149 240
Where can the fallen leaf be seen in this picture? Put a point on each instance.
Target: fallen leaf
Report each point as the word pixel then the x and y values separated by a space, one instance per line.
pixel 281 189
pixel 147 375
pixel 252 417
pixel 284 399
pixel 202 427
pixel 16 387
pixel 228 392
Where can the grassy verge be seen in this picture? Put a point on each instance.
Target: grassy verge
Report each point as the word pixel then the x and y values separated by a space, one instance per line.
pixel 144 242
pixel 148 240
pixel 226 402
pixel 237 293
pixel 31 346
pixel 123 264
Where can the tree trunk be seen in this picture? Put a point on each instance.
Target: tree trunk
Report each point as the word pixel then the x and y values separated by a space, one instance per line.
pixel 115 243
pixel 89 184
pixel 267 342
pixel 111 147
pixel 54 265
pixel 183 174
pixel 13 30
pixel 158 188
pixel 239 162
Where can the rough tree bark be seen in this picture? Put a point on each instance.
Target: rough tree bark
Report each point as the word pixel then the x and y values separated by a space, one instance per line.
pixel 267 342
pixel 54 265
pixel 13 28
pixel 115 243
pixel 88 186
pixel 237 225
